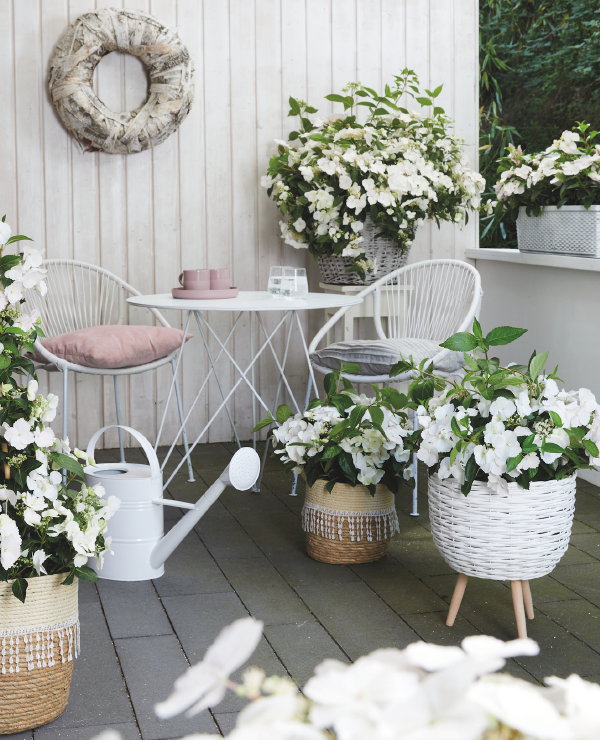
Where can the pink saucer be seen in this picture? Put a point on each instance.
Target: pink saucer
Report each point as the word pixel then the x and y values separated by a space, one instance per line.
pixel 204 294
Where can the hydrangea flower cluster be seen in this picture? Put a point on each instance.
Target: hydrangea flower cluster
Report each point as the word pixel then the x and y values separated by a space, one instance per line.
pixel 348 438
pixel 49 523
pixel 425 691
pixel 399 167
pixel 502 424
pixel 566 173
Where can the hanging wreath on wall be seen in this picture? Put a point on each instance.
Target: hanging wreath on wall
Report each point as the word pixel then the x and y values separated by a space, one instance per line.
pixel 170 71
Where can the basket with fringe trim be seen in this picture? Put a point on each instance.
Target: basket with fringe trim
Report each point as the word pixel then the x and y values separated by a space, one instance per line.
pixel 39 641
pixel 348 525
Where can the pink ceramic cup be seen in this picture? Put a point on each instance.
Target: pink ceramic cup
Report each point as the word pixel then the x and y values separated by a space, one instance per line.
pixel 220 279
pixel 195 279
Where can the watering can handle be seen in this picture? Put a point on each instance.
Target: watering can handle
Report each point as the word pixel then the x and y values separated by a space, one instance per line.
pixel 146 446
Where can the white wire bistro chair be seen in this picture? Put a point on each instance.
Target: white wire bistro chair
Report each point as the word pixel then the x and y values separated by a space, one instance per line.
pixel 414 309
pixel 82 296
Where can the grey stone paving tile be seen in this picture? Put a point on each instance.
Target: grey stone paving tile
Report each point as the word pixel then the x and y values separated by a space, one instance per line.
pixel 593 678
pixel 18 736
pixel 212 455
pixel 264 592
pixel 549 589
pixel 357 619
pixel 587 509
pixel 303 646
pixel 223 536
pixel 576 556
pixel 87 592
pixel 128 731
pixel 589 543
pixel 98 693
pixel 583 579
pixel 401 590
pixel 150 666
pixel 432 628
pixel 191 570
pixel 580 527
pixel 199 619
pixel 579 617
pixel 560 652
pixel 417 552
pixel 299 569
pixel 226 721
pixel 133 609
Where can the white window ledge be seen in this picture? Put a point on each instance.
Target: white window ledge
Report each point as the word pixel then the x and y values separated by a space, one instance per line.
pixel 567 262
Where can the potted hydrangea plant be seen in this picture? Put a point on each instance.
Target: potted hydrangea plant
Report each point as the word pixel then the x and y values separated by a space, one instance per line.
pixel 339 184
pixel 353 451
pixel 424 691
pixel 556 192
pixel 50 521
pixel 503 445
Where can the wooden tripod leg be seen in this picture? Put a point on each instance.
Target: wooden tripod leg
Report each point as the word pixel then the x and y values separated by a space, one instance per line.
pixel 516 588
pixel 457 596
pixel 527 600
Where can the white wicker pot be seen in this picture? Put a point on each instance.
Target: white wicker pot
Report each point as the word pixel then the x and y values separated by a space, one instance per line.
pixel 510 535
pixel 571 230
pixel 383 251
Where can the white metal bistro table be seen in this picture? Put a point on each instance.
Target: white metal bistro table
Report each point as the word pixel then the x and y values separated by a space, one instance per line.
pixel 254 304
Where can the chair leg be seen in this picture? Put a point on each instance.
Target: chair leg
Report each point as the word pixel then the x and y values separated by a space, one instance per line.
pixel 118 414
pixel 415 472
pixel 527 600
pixel 516 588
pixel 457 597
pixel 294 491
pixel 65 404
pixel 186 447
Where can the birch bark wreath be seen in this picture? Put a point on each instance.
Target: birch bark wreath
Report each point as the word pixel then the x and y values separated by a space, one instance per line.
pixel 170 69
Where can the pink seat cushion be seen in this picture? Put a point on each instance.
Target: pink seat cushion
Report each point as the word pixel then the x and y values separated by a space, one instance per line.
pixel 111 347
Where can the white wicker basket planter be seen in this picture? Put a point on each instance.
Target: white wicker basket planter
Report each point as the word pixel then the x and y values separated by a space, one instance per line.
pixel 383 251
pixel 516 535
pixel 572 230
pixel 513 535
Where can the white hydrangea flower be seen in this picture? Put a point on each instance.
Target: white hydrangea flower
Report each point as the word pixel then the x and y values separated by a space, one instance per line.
pixel 10 541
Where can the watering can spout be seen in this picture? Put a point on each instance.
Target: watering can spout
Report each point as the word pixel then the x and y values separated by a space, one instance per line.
pixel 241 473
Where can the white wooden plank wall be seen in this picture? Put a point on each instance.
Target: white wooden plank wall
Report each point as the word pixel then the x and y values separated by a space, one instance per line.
pixel 195 201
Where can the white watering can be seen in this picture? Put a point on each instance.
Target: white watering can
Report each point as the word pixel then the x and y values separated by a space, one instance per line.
pixel 139 547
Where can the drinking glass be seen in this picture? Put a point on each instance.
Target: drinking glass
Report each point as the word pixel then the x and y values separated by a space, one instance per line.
pixel 275 276
pixel 300 283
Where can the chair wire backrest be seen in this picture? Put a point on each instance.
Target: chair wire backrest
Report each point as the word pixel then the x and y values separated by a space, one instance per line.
pixel 80 296
pixel 427 300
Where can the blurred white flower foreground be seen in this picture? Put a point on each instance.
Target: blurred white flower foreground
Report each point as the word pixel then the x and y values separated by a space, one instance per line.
pixel 424 692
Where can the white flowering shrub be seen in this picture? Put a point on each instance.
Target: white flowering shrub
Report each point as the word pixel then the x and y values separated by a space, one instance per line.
pixel 399 166
pixel 48 524
pixel 566 173
pixel 501 424
pixel 348 437
pixel 424 692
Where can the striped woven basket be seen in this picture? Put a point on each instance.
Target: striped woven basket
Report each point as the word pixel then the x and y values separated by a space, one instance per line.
pixel 383 251
pixel 502 535
pixel 39 639
pixel 348 525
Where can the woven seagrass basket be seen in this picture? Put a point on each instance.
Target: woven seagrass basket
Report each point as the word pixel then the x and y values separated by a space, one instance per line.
pixel 502 535
pixel 348 525
pixel 383 251
pixel 39 641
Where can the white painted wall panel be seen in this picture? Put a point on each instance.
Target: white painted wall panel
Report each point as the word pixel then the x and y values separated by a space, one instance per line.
pixel 195 201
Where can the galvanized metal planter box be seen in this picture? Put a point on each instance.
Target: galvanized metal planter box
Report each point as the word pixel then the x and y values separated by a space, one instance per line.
pixel 572 230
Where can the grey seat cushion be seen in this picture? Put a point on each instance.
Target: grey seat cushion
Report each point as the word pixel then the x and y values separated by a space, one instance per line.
pixel 377 356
